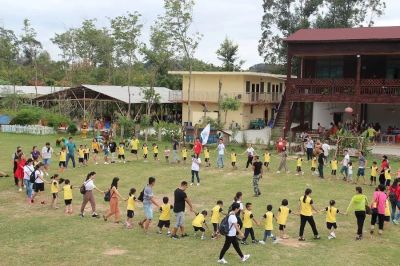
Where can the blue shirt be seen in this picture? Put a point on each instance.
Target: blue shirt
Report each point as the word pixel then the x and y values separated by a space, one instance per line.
pixel 71 148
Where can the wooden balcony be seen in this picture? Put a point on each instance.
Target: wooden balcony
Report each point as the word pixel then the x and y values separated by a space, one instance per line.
pixel 212 97
pixel 344 90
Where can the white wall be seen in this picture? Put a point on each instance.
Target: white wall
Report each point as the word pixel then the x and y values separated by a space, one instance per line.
pixel 385 115
pixel 323 113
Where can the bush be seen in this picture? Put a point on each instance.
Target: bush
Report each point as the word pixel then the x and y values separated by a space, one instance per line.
pixel 168 130
pixel 32 116
pixel 72 129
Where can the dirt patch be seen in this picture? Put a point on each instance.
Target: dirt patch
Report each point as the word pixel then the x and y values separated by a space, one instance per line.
pixel 293 242
pixel 115 252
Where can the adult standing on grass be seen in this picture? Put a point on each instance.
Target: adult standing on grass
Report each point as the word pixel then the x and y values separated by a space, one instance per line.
pixel 148 201
pixel 28 170
pixel 361 167
pixel 195 169
pixel 47 152
pixel 19 173
pixel 358 203
pixel 180 200
pixel 197 147
pixel 394 197
pixel 71 152
pixel 88 196
pixel 38 185
pixel 239 200
pixel 114 197
pixel 230 238
pixel 257 175
pixel 321 163
pixel 175 148
pixel 309 148
pixel 250 155
pixel 282 163
pixel 344 170
pixel 306 208
pixel 134 144
pixel 378 209
pixel 326 148
pixel 221 153
pixel 15 163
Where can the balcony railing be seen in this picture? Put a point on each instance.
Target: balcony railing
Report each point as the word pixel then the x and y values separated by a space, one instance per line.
pixel 200 96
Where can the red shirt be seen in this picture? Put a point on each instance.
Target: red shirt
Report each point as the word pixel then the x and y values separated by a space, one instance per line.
pixel 384 165
pixel 19 173
pixel 197 147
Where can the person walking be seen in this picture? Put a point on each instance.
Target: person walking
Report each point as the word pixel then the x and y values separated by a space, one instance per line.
pixel 175 148
pixel 344 170
pixel 230 238
pixel 197 147
pixel 195 169
pixel 148 201
pixel 88 195
pixel 282 163
pixel 180 200
pixel 28 170
pixel 309 148
pixel 321 163
pixel 326 148
pixel 114 197
pixel 306 208
pixel 250 155
pixel 384 167
pixel 358 203
pixel 257 175
pixel 38 185
pixel 394 198
pixel 378 209
pixel 71 147
pixel 47 152
pixel 221 153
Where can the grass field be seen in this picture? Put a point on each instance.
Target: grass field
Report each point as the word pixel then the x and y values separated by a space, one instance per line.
pixel 33 235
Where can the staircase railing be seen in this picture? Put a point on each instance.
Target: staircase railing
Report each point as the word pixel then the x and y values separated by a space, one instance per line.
pixel 278 110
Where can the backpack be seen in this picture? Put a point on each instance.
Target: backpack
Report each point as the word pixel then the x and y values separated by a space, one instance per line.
pixel 82 189
pixel 224 227
pixel 141 195
pixel 107 195
pixel 32 177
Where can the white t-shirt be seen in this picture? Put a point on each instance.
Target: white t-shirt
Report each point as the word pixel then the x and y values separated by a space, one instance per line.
pixel 221 149
pixel 232 220
pixel 195 164
pixel 250 151
pixel 27 171
pixel 89 185
pixel 346 160
pixel 240 204
pixel 326 148
pixel 350 170
pixel 38 176
pixel 45 154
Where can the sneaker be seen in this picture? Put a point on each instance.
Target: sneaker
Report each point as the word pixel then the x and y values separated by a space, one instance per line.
pixel 358 237
pixel 191 184
pixel 184 235
pixel 245 257
pixel 275 241
pixel 97 163
pixel 255 241
pixel 244 243
pixel 175 237
pixel 20 189
pixel 261 242
pixel 168 233
pixel 317 237
pixel 81 215
pixel 222 261
pixel 395 222
pixel 278 172
pixel 95 215
pixel 203 237
pixel 106 163
pixel 159 232
pixel 302 239
pixel 330 237
pixel 42 202
pixel 198 184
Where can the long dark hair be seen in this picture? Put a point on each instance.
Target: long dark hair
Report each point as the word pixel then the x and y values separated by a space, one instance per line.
pixel 38 166
pixel 395 183
pixel 114 182
pixel 237 196
pixel 306 193
pixel 90 175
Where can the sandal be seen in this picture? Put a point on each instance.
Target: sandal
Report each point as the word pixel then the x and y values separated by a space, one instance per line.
pixel 302 239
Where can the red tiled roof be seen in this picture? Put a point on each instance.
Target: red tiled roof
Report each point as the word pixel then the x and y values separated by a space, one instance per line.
pixel 345 34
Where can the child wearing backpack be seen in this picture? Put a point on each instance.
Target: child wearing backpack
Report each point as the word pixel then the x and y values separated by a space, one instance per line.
pixel 130 208
pixel 248 219
pixel 198 224
pixel 269 226
pixel 165 216
pixel 283 213
pixel 67 189
pixel 216 218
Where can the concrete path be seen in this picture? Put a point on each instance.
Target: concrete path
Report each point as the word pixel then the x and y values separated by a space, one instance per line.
pixel 386 149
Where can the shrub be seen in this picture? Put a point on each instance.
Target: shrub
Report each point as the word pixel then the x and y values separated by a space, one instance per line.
pixel 72 129
pixel 32 116
pixel 168 130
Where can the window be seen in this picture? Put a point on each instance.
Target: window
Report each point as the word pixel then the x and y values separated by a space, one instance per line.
pixel 253 87
pixel 257 87
pixel 280 87
pixel 247 86
pixel 262 87
pixel 329 68
pixel 251 109
pixel 273 88
pixel 269 87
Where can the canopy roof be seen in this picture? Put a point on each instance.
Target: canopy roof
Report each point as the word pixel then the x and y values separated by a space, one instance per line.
pixel 28 91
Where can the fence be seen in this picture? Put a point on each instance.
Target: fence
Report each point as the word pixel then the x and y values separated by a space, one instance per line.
pixel 31 129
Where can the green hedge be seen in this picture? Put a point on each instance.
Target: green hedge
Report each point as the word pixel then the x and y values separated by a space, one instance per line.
pixel 32 116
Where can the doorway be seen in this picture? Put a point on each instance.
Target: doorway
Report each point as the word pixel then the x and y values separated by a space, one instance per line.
pixel 266 116
pixel 337 118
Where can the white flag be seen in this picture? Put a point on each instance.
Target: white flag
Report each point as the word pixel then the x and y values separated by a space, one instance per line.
pixel 205 133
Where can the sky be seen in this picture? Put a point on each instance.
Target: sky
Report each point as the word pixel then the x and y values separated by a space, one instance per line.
pixel 215 19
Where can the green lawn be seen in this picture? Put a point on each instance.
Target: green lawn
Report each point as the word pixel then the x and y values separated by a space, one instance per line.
pixel 37 234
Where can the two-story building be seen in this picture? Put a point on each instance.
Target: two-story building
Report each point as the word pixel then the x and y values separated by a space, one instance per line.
pixel 339 68
pixel 259 95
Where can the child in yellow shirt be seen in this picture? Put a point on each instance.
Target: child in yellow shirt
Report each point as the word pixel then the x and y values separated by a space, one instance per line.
pixel 155 152
pixel 267 159
pixel 184 154
pixel 130 208
pixel 248 219
pixel 269 226
pixel 62 159
pixel 145 151
pixel 121 152
pixel 331 212
pixel 216 218
pixel 283 214
pixel 54 188
pixel 165 217
pixel 388 177
pixel 299 163
pixel 81 156
pixel 207 157
pixel 198 224
pixel 314 165
pixel 334 166
pixel 67 189
pixel 233 159
pixel 374 173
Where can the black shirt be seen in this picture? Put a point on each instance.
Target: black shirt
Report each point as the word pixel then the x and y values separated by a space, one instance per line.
pixel 321 158
pixel 112 146
pixel 179 202
pixel 176 145
pixel 257 168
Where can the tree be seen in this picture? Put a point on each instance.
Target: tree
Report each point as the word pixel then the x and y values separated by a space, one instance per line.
pixel 126 31
pixel 151 97
pixel 229 104
pixel 9 49
pixel 31 47
pixel 228 54
pixel 177 22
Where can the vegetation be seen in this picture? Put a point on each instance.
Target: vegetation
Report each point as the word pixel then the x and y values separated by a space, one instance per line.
pixel 36 115
pixel 229 104
pixel 228 54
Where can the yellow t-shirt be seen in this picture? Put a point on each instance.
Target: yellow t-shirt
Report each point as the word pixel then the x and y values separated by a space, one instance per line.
pixel 165 212
pixel 131 203
pixel 96 146
pixel 206 154
pixel 81 153
pixel 331 214
pixel 388 176
pixel 135 144
pixel 216 214
pixel 387 208
pixel 155 149
pixel 374 171
pixel 334 164
pixel 67 192
pixel 184 153
pixel 145 150
pixel 283 215
pixel 199 220
pixel 233 157
pixel 299 162
pixel 314 162
pixel 247 219
pixel 86 150
pixel 121 150
pixel 269 225
pixel 63 156
pixel 305 207
pixel 54 186
pixel 267 157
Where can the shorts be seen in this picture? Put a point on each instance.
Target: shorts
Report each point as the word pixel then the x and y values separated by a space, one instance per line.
pixel 180 219
pixel 216 227
pixel 145 156
pixel 282 227
pixel 134 151
pixel 130 213
pixel 86 157
pixel 68 202
pixel 162 224
pixel 298 168
pixel 106 152
pixel 387 218
pixel 148 211
pixel 62 164
pixel 155 155
pixel 121 157
pixel 233 163
pixel 373 178
pixel 184 158
pixel 166 157
pixel 38 187
pixel 330 225
pixel 55 195
pixel 81 160
pixel 312 169
pixel 266 164
pixel 95 151
pixel 206 160
pixel 361 172
pixel 46 161
pixel 201 229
